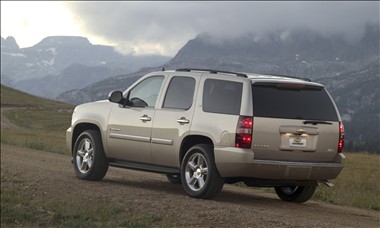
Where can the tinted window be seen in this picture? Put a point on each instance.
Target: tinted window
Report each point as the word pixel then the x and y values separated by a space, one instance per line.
pixel 180 93
pixel 146 92
pixel 308 103
pixel 220 96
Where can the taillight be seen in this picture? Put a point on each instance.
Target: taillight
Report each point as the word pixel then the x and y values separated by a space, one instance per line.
pixel 243 138
pixel 341 137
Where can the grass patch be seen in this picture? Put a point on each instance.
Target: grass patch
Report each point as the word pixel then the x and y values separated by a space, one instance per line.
pixel 19 207
pixel 358 185
pixel 43 122
pixel 40 140
pixel 12 97
pixel 46 119
pixel 43 128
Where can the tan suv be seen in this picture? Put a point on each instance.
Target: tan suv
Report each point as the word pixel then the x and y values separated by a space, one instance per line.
pixel 204 128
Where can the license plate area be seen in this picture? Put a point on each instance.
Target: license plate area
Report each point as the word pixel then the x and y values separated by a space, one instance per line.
pixel 297 141
pixel 298 138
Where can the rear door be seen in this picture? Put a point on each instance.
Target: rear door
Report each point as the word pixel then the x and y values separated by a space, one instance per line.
pixel 294 122
pixel 173 120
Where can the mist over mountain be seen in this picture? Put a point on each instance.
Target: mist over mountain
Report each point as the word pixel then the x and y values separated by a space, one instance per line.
pixel 141 22
pixel 298 52
pixel 39 69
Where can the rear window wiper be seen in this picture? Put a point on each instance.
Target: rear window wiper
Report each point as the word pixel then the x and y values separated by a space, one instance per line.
pixel 315 122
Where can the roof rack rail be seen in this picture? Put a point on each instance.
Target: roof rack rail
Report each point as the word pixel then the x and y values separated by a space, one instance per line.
pixel 212 71
pixel 287 76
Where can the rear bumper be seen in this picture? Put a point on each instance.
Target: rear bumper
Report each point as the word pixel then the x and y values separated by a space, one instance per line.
pixel 236 162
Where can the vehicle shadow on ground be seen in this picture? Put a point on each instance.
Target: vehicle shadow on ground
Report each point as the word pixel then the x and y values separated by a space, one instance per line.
pixel 256 199
pixel 243 198
pixel 152 185
pixel 226 196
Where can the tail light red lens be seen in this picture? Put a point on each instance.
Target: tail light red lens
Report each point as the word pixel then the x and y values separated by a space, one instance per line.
pixel 243 137
pixel 341 137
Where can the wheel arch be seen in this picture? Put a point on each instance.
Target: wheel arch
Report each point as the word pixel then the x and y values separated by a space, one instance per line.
pixel 190 141
pixel 81 127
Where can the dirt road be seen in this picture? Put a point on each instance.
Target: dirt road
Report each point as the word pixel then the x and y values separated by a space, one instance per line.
pixel 142 192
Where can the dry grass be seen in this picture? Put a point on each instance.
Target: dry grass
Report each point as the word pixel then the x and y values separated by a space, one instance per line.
pixel 43 122
pixel 41 128
pixel 12 97
pixel 358 185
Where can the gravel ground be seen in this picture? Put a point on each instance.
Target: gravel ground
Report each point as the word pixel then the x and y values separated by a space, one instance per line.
pixel 142 192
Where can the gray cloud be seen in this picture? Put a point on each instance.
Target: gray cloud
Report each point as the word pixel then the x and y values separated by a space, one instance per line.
pixel 166 26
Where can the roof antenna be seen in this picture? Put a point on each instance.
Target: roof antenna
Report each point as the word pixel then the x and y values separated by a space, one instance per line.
pixel 163 68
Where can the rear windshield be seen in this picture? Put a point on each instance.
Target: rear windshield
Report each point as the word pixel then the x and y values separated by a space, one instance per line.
pixel 307 103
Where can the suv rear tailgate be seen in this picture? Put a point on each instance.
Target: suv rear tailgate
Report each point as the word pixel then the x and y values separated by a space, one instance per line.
pixel 294 122
pixel 294 141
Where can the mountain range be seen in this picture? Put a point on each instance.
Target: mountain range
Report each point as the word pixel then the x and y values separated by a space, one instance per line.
pixel 298 52
pixel 61 63
pixel 357 95
pixel 349 70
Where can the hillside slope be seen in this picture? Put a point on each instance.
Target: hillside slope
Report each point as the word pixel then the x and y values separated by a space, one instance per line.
pixel 33 122
pixel 16 98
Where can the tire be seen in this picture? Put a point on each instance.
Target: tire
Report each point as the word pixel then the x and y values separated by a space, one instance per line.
pixel 298 194
pixel 174 178
pixel 200 177
pixel 89 160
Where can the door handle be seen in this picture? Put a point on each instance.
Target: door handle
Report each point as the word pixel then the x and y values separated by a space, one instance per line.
pixel 145 118
pixel 183 121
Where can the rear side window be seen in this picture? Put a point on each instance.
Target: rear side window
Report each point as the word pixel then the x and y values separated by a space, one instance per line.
pixel 220 96
pixel 180 93
pixel 307 103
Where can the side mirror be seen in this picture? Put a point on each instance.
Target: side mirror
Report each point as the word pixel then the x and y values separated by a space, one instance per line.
pixel 116 97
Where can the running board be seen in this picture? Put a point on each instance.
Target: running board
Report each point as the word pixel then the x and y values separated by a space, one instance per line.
pixel 143 167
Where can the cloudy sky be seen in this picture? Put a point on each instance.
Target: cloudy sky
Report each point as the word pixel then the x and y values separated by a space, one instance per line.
pixel 164 27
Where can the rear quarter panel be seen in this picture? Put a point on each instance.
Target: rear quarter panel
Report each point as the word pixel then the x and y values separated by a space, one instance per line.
pixel 220 128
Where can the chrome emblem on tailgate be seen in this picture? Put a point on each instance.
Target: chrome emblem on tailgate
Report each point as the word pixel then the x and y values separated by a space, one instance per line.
pixel 300 131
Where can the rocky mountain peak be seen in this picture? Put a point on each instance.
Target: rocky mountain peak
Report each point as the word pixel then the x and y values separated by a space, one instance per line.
pixel 58 41
pixel 9 43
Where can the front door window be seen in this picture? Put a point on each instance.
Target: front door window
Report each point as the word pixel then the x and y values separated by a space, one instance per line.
pixel 146 92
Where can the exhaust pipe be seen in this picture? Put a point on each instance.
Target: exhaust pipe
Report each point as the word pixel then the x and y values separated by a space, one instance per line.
pixel 327 183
